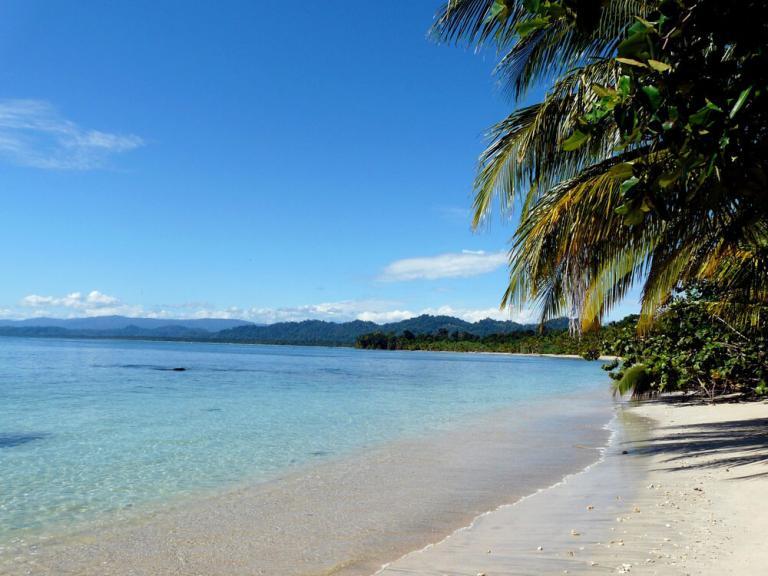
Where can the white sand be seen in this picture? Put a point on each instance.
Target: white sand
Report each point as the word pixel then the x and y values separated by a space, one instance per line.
pixel 688 497
pixel 681 490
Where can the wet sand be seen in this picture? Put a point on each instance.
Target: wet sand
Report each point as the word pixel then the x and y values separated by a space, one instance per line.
pixel 346 516
pixel 680 491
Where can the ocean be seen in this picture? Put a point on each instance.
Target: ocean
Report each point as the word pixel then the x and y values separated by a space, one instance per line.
pixel 105 432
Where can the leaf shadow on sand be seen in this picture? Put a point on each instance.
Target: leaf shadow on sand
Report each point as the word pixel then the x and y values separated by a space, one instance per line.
pixel 729 444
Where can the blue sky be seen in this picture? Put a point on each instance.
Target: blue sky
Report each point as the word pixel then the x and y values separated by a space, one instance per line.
pixel 262 160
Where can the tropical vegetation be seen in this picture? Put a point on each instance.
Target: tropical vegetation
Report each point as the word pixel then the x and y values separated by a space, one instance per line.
pixel 686 350
pixel 547 341
pixel 644 161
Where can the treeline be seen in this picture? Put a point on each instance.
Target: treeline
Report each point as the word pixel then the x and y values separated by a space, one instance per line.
pixel 689 348
pixel 548 341
pixel 305 332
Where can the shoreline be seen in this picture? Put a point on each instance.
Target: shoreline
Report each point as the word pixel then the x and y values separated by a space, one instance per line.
pixel 349 516
pixel 161 340
pixel 663 499
pixel 672 492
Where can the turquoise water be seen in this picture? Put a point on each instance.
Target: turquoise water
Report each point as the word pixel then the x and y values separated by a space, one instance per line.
pixel 92 428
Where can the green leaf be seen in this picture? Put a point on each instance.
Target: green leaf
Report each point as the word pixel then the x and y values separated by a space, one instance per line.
pixel 623 210
pixel 634 217
pixel 740 101
pixel 654 96
pixel 532 5
pixel 712 106
pixel 497 11
pixel 631 62
pixel 668 178
pixel 575 140
pixel 699 117
pixel 645 24
pixel 658 65
pixel 602 91
pixel 625 86
pixel 637 28
pixel 628 184
pixel 635 46
pixel 596 114
pixel 527 27
pixel 621 171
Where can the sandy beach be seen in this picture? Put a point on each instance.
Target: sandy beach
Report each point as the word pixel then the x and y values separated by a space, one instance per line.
pixel 344 516
pixel 680 490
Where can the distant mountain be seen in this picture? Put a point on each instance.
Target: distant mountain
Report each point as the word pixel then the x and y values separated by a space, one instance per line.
pixel 320 332
pixel 122 322
pixel 305 332
pixel 315 332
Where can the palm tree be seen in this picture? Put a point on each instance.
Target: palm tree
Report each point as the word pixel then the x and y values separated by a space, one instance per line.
pixel 588 232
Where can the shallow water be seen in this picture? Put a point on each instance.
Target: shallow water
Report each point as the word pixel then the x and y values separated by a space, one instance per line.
pixel 91 430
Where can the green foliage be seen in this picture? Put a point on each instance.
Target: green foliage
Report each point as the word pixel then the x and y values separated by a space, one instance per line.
pixel 635 380
pixel 557 341
pixel 644 163
pixel 689 349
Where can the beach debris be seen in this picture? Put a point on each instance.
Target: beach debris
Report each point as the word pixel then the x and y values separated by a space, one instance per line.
pixel 624 568
pixel 636 509
pixel 540 548
pixel 590 507
pixel 481 574
pixel 575 533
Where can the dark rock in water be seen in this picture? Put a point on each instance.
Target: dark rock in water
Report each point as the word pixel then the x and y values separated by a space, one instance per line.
pixel 167 369
pixel 13 440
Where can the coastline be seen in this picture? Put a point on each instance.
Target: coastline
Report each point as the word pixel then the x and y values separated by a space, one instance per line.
pixel 147 339
pixel 346 516
pixel 678 491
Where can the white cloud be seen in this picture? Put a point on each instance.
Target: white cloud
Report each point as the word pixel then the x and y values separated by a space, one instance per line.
pixel 77 300
pixel 96 303
pixel 98 298
pixel 386 316
pixel 341 311
pixel 33 133
pixel 454 265
pixel 468 314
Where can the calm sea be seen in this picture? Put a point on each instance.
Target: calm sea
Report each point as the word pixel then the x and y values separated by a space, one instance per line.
pixel 93 428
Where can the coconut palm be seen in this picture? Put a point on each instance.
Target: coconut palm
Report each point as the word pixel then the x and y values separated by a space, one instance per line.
pixel 604 206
